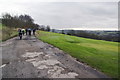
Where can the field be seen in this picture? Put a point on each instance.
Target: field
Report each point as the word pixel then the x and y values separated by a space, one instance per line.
pixel 102 55
pixel 6 33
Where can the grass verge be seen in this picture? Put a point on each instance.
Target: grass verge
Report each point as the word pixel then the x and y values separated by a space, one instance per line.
pixel 7 33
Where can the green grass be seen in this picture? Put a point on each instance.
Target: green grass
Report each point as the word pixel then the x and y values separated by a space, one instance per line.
pixel 102 55
pixel 6 33
pixel 0 26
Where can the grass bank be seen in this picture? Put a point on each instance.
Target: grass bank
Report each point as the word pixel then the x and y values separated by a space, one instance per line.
pixel 6 33
pixel 102 55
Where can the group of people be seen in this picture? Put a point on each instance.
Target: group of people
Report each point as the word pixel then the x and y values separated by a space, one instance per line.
pixel 26 31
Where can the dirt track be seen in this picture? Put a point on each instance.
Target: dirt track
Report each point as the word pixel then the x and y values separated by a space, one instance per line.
pixel 32 58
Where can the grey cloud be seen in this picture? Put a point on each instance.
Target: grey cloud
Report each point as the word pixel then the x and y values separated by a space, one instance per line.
pixel 72 14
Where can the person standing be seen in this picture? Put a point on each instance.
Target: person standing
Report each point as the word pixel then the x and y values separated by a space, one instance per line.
pixel 34 31
pixel 29 31
pixel 26 31
pixel 20 34
pixel 23 31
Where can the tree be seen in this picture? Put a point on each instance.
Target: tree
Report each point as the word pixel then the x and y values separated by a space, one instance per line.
pixel 26 20
pixel 53 30
pixel 48 28
pixel 23 21
pixel 7 19
pixel 36 26
pixel 63 32
pixel 71 32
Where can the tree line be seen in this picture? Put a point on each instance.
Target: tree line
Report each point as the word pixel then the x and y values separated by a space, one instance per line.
pixel 21 21
pixel 105 36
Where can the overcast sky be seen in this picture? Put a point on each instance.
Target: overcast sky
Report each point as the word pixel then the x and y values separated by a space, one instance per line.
pixel 66 15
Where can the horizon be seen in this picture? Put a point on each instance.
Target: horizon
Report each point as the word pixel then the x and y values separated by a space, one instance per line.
pixel 94 29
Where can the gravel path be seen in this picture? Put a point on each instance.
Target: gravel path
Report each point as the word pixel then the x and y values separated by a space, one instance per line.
pixel 32 58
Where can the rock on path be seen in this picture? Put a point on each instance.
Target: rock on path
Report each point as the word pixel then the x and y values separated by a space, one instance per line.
pixel 32 58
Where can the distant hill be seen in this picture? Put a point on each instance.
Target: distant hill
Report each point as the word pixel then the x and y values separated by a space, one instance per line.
pixel 100 35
